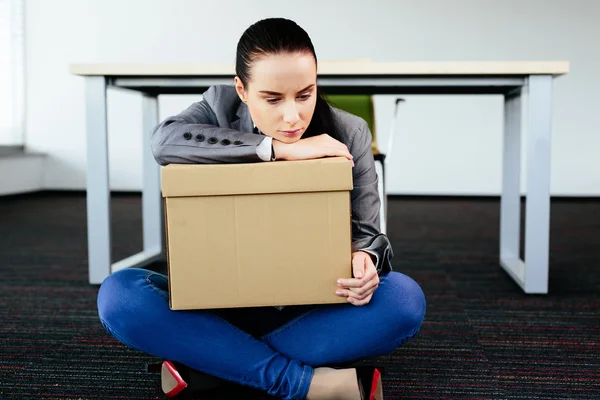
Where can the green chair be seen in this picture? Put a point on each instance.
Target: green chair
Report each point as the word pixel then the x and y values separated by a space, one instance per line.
pixel 362 106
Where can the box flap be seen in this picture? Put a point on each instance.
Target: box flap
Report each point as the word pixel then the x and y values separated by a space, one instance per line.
pixel 324 174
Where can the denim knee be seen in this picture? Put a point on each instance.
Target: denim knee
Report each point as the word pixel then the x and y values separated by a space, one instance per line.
pixel 115 294
pixel 410 312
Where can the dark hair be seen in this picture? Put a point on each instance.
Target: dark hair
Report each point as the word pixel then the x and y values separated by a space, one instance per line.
pixel 275 36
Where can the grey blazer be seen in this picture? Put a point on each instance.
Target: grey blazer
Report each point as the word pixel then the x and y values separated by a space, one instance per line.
pixel 219 129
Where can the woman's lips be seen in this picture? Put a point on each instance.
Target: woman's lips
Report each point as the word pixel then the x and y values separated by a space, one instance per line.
pixel 291 133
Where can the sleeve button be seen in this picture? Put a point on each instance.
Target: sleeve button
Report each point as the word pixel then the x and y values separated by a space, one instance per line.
pixel 238 142
pixel 187 136
pixel 212 140
pixel 225 142
pixel 199 137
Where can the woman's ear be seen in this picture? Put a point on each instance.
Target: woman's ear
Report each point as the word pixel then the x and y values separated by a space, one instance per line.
pixel 239 88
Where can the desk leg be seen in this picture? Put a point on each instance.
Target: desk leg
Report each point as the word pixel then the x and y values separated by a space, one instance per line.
pixel 510 204
pixel 152 213
pixel 537 211
pixel 98 192
pixel 531 275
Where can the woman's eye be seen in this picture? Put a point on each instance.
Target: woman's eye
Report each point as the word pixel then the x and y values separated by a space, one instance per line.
pixel 301 97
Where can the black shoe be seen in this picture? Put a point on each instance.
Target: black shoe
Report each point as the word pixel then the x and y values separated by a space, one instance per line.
pixel 182 382
pixel 369 383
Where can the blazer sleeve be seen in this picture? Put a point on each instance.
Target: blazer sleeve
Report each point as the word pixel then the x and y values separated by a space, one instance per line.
pixel 193 136
pixel 366 230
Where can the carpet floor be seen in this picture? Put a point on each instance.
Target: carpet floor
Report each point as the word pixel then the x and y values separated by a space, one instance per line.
pixel 482 338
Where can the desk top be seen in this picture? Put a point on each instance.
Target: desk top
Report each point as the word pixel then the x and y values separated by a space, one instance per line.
pixel 351 68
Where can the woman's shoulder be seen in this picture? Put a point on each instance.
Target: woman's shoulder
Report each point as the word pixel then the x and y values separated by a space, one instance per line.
pixel 349 126
pixel 221 95
pixel 223 101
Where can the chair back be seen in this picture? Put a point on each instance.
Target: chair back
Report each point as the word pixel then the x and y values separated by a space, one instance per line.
pixel 361 106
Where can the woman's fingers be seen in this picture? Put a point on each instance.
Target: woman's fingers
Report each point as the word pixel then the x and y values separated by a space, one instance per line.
pixel 312 148
pixel 366 289
pixel 370 275
pixel 359 290
pixel 331 142
pixel 339 152
pixel 357 302
pixel 360 293
pixel 364 292
pixel 351 296
pixel 339 145
pixel 343 153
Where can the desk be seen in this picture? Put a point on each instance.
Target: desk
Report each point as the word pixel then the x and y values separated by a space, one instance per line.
pixel 510 79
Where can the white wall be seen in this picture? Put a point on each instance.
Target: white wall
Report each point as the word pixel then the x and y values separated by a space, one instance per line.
pixel 11 73
pixel 444 145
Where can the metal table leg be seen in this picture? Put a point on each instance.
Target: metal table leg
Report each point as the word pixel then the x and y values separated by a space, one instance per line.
pixel 152 213
pixel 531 274
pixel 98 193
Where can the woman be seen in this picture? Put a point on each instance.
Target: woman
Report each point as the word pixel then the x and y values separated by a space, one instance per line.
pixel 273 112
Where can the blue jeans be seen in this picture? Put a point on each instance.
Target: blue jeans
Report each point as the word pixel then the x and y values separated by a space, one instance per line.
pixel 133 306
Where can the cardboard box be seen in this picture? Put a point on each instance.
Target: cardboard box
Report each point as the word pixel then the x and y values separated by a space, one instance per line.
pixel 257 234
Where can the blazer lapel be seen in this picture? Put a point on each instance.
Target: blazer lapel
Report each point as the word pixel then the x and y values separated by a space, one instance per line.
pixel 243 121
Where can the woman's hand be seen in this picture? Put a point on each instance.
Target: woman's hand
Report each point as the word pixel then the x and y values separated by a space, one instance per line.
pixel 360 289
pixel 311 148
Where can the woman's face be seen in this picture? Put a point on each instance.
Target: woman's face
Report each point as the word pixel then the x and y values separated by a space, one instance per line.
pixel 281 94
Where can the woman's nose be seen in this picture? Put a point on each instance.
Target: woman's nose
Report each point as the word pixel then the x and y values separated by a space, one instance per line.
pixel 291 115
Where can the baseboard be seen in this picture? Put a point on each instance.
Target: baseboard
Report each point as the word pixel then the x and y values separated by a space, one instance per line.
pixel 129 193
pixel 41 192
pixel 21 173
pixel 486 197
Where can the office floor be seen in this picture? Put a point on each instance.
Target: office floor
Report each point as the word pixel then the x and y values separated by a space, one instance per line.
pixel 482 338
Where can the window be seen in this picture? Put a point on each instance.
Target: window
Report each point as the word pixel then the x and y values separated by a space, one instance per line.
pixel 12 115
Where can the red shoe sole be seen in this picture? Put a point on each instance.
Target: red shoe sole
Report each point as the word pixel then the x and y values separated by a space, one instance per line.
pixel 171 381
pixel 376 389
